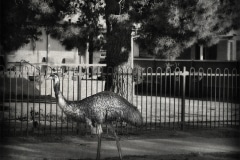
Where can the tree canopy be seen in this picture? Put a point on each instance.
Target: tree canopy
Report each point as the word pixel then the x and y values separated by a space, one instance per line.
pixel 169 27
pixel 22 21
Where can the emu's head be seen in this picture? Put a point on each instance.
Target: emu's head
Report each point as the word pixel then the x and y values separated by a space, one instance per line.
pixel 56 81
pixel 54 77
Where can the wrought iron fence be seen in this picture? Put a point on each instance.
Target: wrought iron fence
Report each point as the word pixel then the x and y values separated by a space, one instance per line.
pixel 166 98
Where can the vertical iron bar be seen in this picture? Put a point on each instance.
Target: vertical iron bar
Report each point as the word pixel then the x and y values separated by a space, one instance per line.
pixel 169 100
pixel 56 112
pixel 198 96
pixel 207 98
pixel 232 97
pixel 215 99
pixel 68 75
pixel 179 96
pixel 211 85
pixel 79 91
pixel 236 95
pixel 15 108
pixel 183 99
pixel 127 96
pixel 228 86
pixel 161 84
pixel 33 111
pixel 10 99
pixel 151 96
pixel 215 96
pixel 224 82
pixel 146 98
pixel 39 102
pixel 194 90
pixel 189 90
pixel 178 87
pixel 165 98
pixel 151 85
pixel 174 98
pixel 156 99
pixel 202 96
pixel 79 87
pixel 27 102
pixel 3 102
pixel 22 104
pixel 219 98
pixel 61 118
pixel 133 90
pixel 142 94
pixel 50 127
pixel 45 105
pixel 73 76
pixel 137 82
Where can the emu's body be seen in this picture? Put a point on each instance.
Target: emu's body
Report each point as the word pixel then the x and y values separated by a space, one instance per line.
pixel 103 107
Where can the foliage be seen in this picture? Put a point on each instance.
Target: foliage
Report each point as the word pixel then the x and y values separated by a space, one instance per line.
pixel 169 27
pixel 81 25
pixel 22 21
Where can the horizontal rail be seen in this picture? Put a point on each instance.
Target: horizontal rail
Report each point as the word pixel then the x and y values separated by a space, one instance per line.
pixel 165 100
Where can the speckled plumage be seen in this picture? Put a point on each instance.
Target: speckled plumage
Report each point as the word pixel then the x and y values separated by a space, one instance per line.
pixel 100 108
pixel 103 107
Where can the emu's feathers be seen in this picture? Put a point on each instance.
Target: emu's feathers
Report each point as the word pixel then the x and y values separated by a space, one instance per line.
pixel 107 106
pixel 100 108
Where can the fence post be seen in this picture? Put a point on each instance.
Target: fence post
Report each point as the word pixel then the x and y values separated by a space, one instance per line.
pixel 183 98
pixel 79 80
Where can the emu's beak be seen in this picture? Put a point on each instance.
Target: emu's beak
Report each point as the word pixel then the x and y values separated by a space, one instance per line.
pixel 49 78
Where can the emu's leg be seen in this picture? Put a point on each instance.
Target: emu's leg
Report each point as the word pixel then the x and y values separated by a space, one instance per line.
pixel 117 141
pixel 99 133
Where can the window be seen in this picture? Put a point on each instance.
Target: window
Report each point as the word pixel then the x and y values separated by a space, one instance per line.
pixel 44 59
pixel 231 50
pixel 63 60
pixel 208 53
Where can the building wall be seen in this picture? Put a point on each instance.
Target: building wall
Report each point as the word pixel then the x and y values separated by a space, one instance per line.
pixel 227 49
pixel 238 50
pixel 222 50
pixel 46 49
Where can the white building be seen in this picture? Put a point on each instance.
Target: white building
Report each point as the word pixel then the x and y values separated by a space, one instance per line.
pixel 227 49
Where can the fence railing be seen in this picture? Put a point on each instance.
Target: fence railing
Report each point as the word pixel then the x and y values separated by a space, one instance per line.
pixel 166 98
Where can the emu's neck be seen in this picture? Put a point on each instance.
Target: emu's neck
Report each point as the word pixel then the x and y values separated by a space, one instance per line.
pixel 56 87
pixel 63 104
pixel 70 109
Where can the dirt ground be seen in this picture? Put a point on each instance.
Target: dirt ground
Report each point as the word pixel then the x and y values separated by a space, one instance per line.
pixel 191 144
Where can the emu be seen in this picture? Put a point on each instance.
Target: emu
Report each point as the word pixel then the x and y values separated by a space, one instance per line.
pixel 104 107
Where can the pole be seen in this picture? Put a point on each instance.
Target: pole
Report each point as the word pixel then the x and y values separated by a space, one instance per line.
pixel 132 39
pixel 47 47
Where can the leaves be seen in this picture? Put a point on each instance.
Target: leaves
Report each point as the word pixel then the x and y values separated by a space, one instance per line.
pixel 169 27
pixel 23 21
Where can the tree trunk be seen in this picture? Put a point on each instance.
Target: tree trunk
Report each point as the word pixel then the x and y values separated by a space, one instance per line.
pixel 120 81
pixel 118 55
